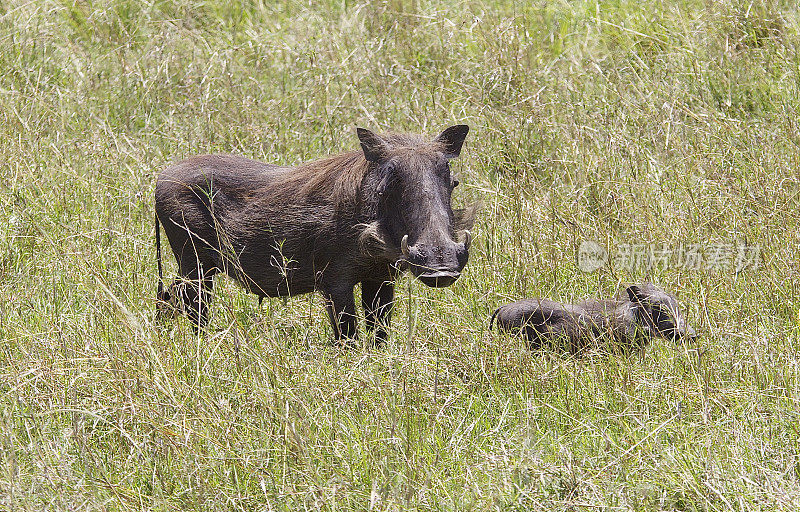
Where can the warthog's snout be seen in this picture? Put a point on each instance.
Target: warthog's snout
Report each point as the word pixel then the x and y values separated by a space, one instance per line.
pixel 439 265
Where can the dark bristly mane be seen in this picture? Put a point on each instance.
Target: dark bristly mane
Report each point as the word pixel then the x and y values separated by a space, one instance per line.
pixel 334 180
pixel 337 179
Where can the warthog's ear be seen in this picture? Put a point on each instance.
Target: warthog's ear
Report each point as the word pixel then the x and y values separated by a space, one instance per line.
pixel 643 306
pixel 635 294
pixel 374 147
pixel 640 296
pixel 452 139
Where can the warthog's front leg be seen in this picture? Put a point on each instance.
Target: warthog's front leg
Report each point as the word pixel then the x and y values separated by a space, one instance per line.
pixel 377 297
pixel 341 307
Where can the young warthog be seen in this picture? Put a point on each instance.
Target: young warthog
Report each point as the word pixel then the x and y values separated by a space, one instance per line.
pixel 358 217
pixel 630 321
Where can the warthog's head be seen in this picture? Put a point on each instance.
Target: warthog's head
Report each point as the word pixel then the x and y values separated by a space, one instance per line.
pixel 412 184
pixel 659 313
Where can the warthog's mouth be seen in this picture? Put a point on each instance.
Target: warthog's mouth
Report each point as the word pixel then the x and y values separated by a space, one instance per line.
pixel 435 278
pixel 439 278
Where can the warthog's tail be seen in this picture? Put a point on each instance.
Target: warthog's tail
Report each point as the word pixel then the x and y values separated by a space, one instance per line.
pixel 160 294
pixel 491 321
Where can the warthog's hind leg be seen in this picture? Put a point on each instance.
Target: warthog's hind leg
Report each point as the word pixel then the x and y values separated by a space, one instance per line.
pixel 193 290
pixel 195 296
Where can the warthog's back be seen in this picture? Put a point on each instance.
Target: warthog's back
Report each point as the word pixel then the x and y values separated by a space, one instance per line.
pixel 228 178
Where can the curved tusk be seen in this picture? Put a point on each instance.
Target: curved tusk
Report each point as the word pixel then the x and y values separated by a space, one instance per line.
pixel 404 245
pixel 467 239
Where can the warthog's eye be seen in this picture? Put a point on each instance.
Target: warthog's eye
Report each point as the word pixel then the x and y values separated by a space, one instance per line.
pixel 387 174
pixel 389 168
pixel 449 176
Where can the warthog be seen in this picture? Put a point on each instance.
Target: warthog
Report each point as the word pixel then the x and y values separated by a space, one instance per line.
pixel 358 217
pixel 629 321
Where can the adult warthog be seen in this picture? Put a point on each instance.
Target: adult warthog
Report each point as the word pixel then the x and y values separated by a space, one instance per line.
pixel 358 217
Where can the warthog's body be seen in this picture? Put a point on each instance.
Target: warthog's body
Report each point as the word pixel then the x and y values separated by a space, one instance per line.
pixel 630 321
pixel 358 217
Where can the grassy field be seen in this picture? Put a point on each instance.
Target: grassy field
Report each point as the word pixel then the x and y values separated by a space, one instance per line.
pixel 661 125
